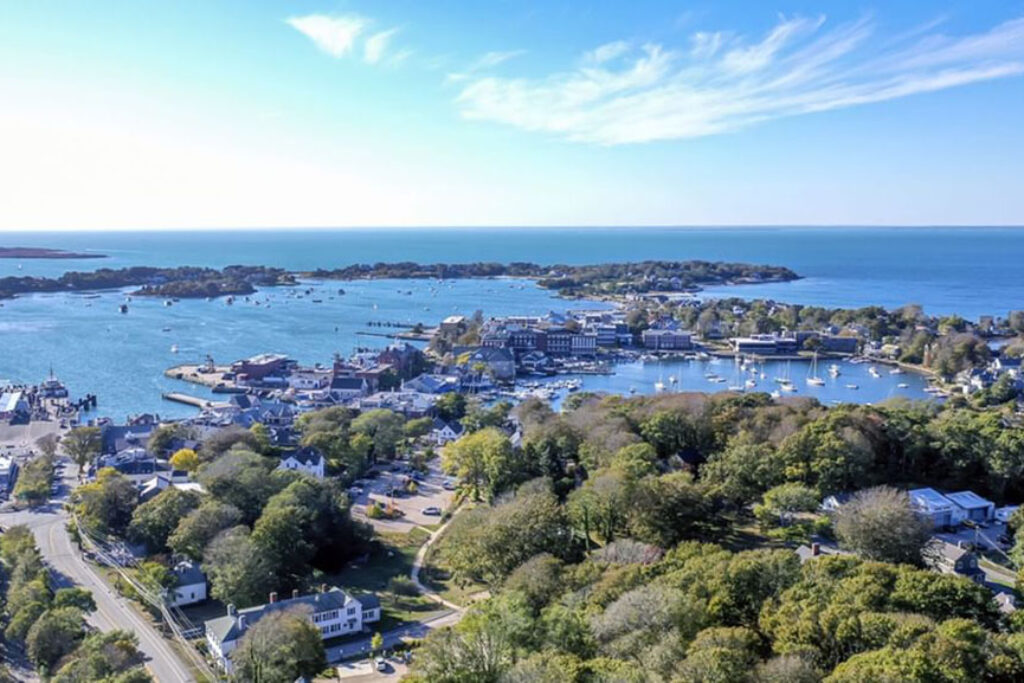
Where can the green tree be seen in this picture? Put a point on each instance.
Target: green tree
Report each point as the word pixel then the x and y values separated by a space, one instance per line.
pixel 279 648
pixel 376 642
pixel 451 406
pixel 110 657
pixel 880 524
pixel 54 635
pixel 185 459
pixel 155 520
pixel 106 504
pixel 385 429
pixel 237 571
pixel 82 445
pixel 78 598
pixel 196 529
pixel 483 461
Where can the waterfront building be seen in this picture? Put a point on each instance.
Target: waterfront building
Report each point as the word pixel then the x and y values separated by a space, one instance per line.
pixel 259 367
pixel 666 340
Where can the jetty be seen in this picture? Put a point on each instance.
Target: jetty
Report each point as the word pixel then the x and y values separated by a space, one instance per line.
pixel 193 401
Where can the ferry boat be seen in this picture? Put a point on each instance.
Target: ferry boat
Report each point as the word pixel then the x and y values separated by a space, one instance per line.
pixel 52 387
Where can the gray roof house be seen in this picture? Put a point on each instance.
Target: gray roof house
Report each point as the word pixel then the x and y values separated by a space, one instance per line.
pixel 335 612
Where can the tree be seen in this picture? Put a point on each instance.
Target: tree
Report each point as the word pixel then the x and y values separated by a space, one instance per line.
pixel 279 648
pixel 106 505
pixel 539 579
pixel 451 406
pixel 47 444
pixel 385 429
pixel 163 436
pixel 482 460
pixel 785 500
pixel 82 445
pixel 196 529
pixel 414 429
pixel 376 642
pixel 185 459
pixel 238 573
pixel 599 506
pixel 104 656
pixel 243 479
pixel 880 524
pixel 665 509
pixel 55 634
pixel 78 598
pixel 156 519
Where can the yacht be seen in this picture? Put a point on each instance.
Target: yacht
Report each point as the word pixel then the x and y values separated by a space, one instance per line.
pixel 788 387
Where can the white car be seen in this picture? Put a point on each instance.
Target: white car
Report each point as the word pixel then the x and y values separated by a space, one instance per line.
pixel 433 511
pixel 381 664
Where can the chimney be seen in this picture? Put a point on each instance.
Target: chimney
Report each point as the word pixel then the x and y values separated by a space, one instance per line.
pixel 273 597
pixel 241 622
pixel 815 549
pixel 295 593
pixel 231 610
pixel 959 544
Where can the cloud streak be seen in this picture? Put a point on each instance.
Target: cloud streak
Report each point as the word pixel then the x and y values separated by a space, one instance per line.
pixel 720 82
pixel 338 35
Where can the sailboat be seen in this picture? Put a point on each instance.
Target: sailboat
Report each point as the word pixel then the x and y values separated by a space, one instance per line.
pixel 813 378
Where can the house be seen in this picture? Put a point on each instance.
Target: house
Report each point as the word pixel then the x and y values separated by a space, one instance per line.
pixel 8 473
pixel 335 612
pixel 131 461
pixel 442 432
pixel 936 507
pixel 499 362
pixel 306 459
pixel 950 558
pixel 453 324
pixel 432 384
pixel 189 587
pixel 260 367
pixel 975 508
pixel 815 550
pixel 345 389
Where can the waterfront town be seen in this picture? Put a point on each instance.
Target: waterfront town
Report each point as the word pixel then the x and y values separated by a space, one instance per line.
pixel 201 525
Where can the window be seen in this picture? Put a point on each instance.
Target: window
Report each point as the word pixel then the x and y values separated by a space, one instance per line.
pixel 351 610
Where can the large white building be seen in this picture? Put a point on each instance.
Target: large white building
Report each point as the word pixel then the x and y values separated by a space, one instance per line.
pixel 334 612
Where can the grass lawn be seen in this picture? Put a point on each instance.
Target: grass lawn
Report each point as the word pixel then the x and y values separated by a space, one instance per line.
pixel 436 578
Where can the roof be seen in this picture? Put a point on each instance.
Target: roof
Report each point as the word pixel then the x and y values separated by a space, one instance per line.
pixel 226 628
pixel 969 500
pixel 307 455
pixel 189 574
pixel 929 499
pixel 9 402
pixel 938 549
pixel 368 600
pixel 347 383
pixel 440 424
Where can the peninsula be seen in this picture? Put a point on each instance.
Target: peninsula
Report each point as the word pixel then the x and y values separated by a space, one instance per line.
pixel 43 253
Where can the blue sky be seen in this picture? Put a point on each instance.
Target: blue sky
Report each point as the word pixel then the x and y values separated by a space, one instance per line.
pixel 205 113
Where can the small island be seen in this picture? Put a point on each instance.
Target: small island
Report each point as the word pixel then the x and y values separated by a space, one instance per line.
pixel 44 253
pixel 609 279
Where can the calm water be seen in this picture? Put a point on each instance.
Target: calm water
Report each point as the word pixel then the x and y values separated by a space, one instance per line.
pixel 971 271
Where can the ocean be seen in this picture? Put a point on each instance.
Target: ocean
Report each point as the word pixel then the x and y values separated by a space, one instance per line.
pixel 95 349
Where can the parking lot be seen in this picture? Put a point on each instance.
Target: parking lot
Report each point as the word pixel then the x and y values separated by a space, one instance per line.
pixel 987 538
pixel 431 493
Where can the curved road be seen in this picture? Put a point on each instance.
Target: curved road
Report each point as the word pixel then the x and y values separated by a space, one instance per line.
pixel 69 569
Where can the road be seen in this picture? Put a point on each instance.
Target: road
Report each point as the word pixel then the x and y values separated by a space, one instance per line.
pixel 69 569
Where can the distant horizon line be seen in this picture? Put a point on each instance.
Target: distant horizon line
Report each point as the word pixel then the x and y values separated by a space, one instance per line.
pixel 354 228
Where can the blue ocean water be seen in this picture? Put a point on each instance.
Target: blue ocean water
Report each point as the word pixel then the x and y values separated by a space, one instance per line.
pixel 971 271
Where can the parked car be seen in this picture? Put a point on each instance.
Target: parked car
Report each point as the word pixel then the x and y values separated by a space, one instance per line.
pixel 433 511
pixel 449 486
pixel 970 524
pixel 382 664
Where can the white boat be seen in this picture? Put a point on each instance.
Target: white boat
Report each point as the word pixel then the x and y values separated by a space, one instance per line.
pixel 750 384
pixel 896 371
pixel 873 371
pixel 788 387
pixel 735 387
pixel 834 370
pixel 813 378
pixel 852 386
pixel 659 386
pixel 902 385
pixel 174 348
pixel 776 394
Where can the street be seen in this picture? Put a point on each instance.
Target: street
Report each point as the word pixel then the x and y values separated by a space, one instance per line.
pixel 69 569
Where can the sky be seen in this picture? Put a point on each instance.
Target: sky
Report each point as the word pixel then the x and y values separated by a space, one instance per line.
pixel 136 114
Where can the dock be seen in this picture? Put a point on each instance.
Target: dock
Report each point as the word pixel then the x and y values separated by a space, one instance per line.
pixel 188 400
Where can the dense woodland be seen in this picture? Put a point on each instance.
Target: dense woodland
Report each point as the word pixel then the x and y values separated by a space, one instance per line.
pixel 642 540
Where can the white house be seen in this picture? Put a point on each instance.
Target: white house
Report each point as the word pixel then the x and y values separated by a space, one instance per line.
pixel 442 432
pixel 974 506
pixel 936 507
pixel 334 612
pixel 191 585
pixel 306 459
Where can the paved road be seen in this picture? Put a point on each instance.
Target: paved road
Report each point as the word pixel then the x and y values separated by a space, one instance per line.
pixel 112 611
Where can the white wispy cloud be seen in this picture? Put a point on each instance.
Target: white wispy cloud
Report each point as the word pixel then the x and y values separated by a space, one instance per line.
pixel 335 35
pixel 720 82
pixel 339 35
pixel 375 46
pixel 486 61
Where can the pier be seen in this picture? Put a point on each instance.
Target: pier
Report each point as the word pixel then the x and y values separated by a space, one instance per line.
pixel 188 400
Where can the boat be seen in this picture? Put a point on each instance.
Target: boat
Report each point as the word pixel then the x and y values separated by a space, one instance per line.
pixel 902 385
pixel 776 394
pixel 873 371
pixel 834 370
pixel 168 302
pixel 896 371
pixel 735 387
pixel 813 378
pixel 852 386
pixel 123 308
pixel 174 348
pixel 750 384
pixel 632 390
pixel 659 386
pixel 788 387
